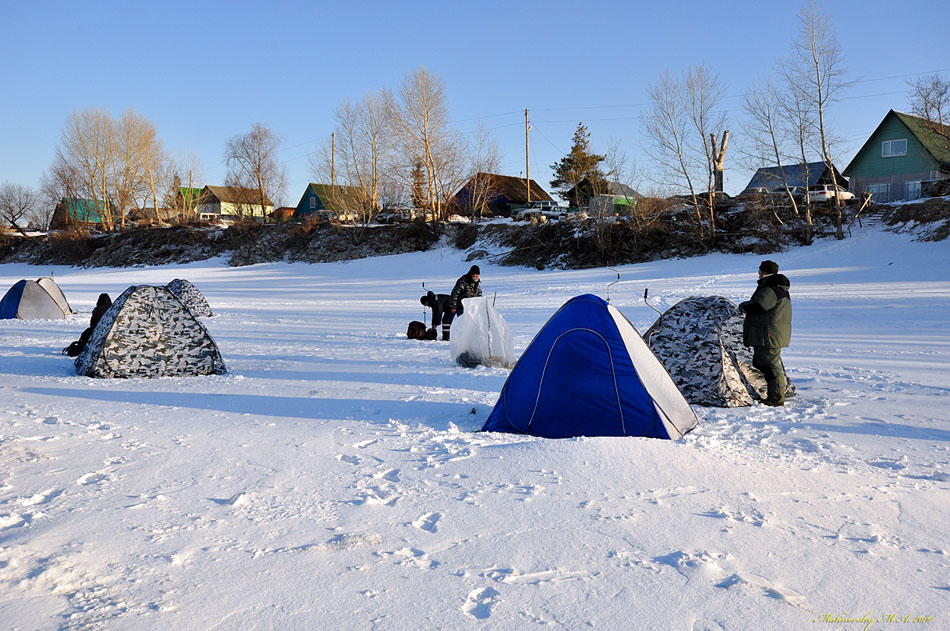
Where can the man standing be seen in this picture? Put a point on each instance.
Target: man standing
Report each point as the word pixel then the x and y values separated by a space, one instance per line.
pixel 768 328
pixel 439 303
pixel 468 286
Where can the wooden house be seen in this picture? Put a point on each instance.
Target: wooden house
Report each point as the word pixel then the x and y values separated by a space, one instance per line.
pixel 902 153
pixel 329 199
pixel 498 194
pixel 232 203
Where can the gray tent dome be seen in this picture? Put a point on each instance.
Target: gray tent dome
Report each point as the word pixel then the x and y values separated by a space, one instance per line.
pixel 189 294
pixel 148 332
pixel 29 299
pixel 699 340
pixel 55 293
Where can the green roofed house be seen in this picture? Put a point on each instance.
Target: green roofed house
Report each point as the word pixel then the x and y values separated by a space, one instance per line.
pixel 328 198
pixel 902 152
pixel 74 211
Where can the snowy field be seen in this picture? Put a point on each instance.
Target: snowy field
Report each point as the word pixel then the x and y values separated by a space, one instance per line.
pixel 332 479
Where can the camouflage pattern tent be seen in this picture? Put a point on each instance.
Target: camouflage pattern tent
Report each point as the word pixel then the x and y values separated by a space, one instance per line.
pixel 148 332
pixel 191 297
pixel 699 340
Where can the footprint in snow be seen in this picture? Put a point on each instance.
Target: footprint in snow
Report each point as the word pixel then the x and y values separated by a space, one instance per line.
pixel 91 478
pixel 480 601
pixel 427 522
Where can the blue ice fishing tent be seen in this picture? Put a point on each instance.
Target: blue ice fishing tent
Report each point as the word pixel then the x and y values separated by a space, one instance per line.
pixel 29 299
pixel 589 373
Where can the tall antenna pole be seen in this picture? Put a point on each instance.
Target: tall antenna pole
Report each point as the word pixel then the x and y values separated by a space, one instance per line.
pixel 527 167
pixel 333 169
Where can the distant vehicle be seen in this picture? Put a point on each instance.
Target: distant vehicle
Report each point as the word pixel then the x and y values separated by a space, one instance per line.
pixel 538 209
pixel 797 192
pixel 757 193
pixel 388 216
pixel 826 193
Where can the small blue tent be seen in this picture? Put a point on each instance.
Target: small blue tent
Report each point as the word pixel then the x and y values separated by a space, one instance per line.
pixel 589 373
pixel 29 299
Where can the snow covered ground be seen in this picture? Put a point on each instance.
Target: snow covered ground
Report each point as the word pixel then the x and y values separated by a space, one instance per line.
pixel 332 479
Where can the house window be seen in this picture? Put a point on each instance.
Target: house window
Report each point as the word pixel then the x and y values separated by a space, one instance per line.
pixel 313 202
pixel 880 192
pixel 894 148
pixel 911 190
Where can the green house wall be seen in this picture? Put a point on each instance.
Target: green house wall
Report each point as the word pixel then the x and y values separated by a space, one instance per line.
pixel 869 163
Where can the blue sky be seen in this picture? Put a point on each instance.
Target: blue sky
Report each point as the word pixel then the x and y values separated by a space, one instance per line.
pixel 205 71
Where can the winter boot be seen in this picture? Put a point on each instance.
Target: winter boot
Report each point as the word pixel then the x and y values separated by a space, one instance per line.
pixel 776 393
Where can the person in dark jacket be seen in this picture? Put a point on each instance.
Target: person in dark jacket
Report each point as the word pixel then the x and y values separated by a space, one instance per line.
pixel 768 328
pixel 439 303
pixel 467 286
pixel 102 305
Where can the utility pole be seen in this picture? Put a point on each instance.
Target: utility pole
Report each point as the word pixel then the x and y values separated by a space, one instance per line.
pixel 527 167
pixel 333 169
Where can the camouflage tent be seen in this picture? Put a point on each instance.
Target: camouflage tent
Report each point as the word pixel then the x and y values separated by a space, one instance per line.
pixel 190 296
pixel 699 340
pixel 148 332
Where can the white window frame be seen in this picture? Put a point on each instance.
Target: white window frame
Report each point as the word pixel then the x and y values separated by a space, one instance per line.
pixel 912 190
pixel 313 202
pixel 876 190
pixel 889 148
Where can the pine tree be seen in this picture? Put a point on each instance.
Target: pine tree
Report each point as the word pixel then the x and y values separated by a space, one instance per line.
pixel 418 185
pixel 577 176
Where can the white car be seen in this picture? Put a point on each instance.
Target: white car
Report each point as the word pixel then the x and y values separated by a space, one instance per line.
pixel 825 193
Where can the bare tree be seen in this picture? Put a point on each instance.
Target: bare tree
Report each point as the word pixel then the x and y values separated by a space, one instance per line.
pixel 253 163
pixel 184 186
pixel 622 170
pixel 366 141
pixel 703 92
pixel 930 100
pixel 667 129
pixel 85 158
pixel 816 72
pixel 114 164
pixel 777 133
pixel 420 121
pixel 485 163
pixel 17 205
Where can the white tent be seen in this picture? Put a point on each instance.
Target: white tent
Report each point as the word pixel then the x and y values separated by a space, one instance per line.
pixel 480 336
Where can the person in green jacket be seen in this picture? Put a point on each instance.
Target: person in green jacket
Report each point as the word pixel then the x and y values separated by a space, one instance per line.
pixel 768 328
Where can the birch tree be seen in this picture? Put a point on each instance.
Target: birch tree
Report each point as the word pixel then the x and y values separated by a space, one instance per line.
pixel 254 163
pixel 420 122
pixel 816 73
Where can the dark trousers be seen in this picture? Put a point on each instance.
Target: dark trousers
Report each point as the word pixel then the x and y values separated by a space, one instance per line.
pixel 447 318
pixel 769 360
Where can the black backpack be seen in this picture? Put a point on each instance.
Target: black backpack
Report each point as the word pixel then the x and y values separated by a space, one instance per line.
pixel 416 331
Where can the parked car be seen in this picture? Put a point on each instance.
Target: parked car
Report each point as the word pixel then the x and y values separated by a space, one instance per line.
pixel 826 193
pixel 797 192
pixel 756 194
pixel 387 216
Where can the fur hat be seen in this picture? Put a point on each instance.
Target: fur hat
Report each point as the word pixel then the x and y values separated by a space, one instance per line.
pixel 768 267
pixel 474 270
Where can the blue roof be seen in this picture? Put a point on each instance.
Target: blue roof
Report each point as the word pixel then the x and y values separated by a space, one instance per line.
pixel 771 177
